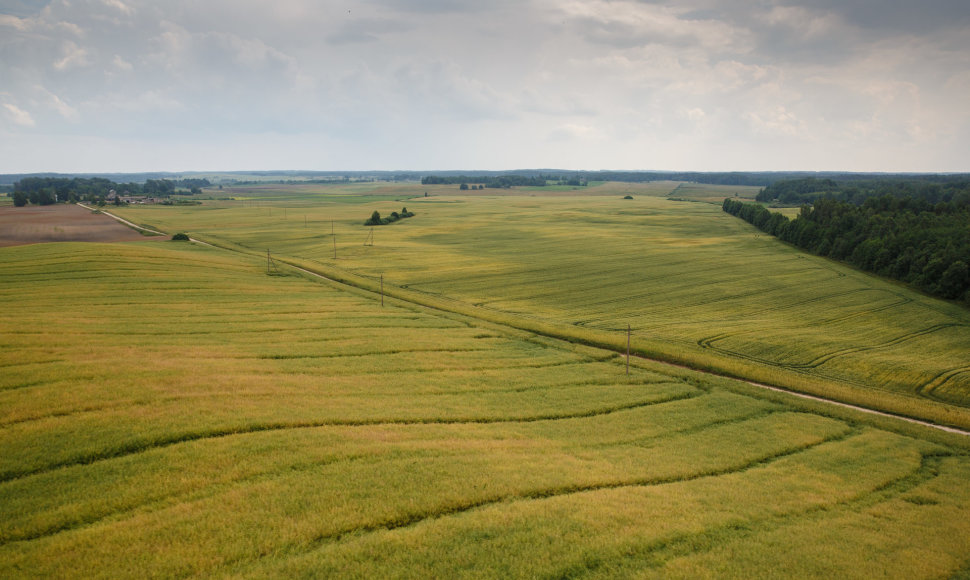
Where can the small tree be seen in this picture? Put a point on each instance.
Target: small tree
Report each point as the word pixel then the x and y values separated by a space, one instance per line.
pixel 463 187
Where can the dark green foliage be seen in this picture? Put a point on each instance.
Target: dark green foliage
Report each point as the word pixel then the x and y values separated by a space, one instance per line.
pixel 19 199
pixel 627 197
pixel 908 239
pixel 377 220
pixel 48 190
pixel 180 237
pixel 499 181
pixel 193 183
pixel 159 187
pixel 930 189
pixel 795 191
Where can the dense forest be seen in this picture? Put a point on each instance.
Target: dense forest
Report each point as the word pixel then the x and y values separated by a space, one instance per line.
pixel 917 234
pixel 50 190
pixel 931 188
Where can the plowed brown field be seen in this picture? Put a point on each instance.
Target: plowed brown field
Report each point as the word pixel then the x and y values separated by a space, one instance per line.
pixel 60 223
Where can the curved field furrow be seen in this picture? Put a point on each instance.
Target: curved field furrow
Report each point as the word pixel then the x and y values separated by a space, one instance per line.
pixel 212 489
pixel 173 439
pixel 892 342
pixel 409 520
pixel 655 525
pixel 177 399
pixel 655 556
pixel 822 359
pixel 930 388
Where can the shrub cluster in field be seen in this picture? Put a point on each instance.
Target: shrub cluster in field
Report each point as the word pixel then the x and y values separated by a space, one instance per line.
pixel 377 220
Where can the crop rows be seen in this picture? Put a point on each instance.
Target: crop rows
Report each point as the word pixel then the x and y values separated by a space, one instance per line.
pixel 174 411
pixel 680 274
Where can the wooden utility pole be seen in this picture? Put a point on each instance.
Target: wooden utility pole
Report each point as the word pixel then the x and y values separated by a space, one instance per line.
pixel 382 290
pixel 334 240
pixel 627 349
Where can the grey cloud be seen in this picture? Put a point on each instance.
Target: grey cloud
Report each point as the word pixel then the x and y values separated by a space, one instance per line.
pixel 22 8
pixel 440 6
pixel 365 30
pixel 903 16
pixel 481 83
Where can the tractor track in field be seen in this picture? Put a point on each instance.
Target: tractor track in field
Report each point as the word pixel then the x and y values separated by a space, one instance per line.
pixel 823 358
pixel 135 447
pixel 928 389
pixel 945 428
pixel 313 274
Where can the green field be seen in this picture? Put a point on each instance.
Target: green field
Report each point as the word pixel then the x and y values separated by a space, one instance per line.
pixel 173 410
pixel 697 286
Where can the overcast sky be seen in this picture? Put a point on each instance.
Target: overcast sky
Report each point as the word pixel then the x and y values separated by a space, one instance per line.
pixel 710 85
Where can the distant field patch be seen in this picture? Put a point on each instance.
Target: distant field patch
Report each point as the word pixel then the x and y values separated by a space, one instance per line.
pixel 59 223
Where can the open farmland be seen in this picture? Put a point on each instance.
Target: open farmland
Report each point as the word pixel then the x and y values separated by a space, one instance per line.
pixel 59 223
pixel 174 410
pixel 697 286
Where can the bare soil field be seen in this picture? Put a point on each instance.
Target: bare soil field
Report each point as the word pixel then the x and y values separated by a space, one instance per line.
pixel 60 223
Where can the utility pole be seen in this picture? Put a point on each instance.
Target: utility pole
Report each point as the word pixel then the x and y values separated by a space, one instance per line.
pixel 382 290
pixel 334 240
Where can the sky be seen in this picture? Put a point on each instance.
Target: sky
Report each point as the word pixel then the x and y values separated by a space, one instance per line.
pixel 701 85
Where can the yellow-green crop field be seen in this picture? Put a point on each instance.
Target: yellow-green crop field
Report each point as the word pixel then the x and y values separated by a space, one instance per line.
pixel 173 410
pixel 696 285
pixel 176 410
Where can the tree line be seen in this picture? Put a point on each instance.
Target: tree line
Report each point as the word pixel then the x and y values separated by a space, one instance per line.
pixel 495 182
pixel 911 239
pixel 51 190
pixel 933 189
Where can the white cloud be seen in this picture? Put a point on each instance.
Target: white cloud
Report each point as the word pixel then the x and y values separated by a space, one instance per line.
pixel 10 21
pixel 776 121
pixel 18 115
pixel 696 114
pixel 119 6
pixel 121 64
pixel 73 56
pixel 63 109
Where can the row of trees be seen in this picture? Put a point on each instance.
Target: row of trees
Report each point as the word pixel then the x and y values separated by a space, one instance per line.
pixel 497 181
pixel 50 190
pixel 950 189
pixel 909 239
